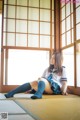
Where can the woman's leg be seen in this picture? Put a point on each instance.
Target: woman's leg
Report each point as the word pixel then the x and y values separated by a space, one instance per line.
pixel 22 88
pixel 28 86
pixel 43 85
pixel 39 92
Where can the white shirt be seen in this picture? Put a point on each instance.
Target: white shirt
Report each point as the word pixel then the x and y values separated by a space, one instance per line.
pixel 55 77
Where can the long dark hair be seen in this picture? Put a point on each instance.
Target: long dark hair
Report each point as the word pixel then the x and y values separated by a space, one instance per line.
pixel 58 61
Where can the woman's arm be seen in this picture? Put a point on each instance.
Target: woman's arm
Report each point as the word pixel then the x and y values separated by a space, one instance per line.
pixel 64 88
pixel 64 81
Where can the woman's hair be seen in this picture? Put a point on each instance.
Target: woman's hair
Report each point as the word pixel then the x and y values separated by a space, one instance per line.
pixel 58 61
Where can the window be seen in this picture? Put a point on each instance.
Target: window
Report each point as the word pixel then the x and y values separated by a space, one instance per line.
pixel 27 25
pixel 29 20
pixel 25 65
pixel 77 22
pixel 70 40
pixel 77 62
pixel 77 8
pixel 66 23
pixel 67 39
pixel 68 62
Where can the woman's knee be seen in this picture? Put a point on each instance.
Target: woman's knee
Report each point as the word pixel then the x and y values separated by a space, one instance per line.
pixel 34 85
pixel 44 80
pixel 47 86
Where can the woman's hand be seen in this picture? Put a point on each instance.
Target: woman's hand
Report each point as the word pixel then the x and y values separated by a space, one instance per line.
pixel 64 93
pixel 64 88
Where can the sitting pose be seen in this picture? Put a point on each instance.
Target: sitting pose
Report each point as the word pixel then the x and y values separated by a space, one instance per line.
pixel 53 81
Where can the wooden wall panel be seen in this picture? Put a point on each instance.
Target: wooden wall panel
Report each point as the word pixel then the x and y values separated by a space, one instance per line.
pixel 57 24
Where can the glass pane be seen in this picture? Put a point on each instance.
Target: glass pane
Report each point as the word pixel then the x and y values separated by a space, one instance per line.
pixel 22 2
pixel 52 4
pixel 68 38
pixel 27 63
pixel 63 13
pixel 45 41
pixel 52 16
pixel 45 3
pixel 11 2
pixel 78 15
pixel 63 26
pixel 21 26
pixel 71 7
pixel 4 27
pixel 32 28
pixel 34 3
pixel 62 2
pixel 68 9
pixel 44 15
pixel 77 3
pixel 33 14
pixel 72 36
pixel 10 39
pixel 44 28
pixel 11 25
pixel 68 61
pixel 78 63
pixel 21 12
pixel 5 1
pixel 33 41
pixel 72 20
pixel 4 39
pixel 11 11
pixel 21 40
pixel 68 23
pixel 78 31
pixel 63 40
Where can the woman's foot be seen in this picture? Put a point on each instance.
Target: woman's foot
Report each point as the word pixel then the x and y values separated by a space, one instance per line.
pixel 37 95
pixel 8 96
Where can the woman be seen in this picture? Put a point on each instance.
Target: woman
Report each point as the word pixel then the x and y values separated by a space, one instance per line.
pixel 53 80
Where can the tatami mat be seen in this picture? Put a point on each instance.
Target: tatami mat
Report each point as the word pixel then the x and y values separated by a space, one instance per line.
pixel 50 107
pixel 56 108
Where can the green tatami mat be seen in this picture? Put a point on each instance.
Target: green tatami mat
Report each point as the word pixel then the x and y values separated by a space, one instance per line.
pixel 56 108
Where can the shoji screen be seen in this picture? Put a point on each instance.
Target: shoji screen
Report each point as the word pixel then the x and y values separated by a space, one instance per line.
pixel 29 23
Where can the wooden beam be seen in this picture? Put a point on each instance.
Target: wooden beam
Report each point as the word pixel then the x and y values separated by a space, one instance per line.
pixel 57 25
